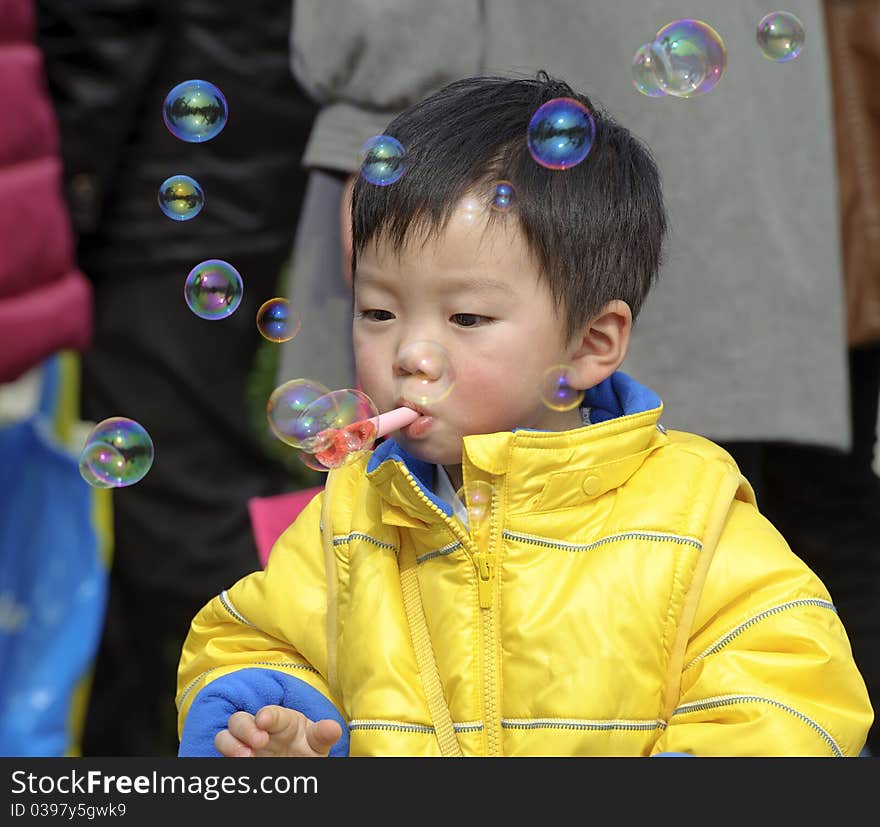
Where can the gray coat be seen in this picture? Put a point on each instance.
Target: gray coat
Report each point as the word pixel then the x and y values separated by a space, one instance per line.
pixel 743 336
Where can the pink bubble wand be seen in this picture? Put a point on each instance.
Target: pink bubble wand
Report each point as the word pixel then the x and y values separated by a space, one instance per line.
pixel 337 443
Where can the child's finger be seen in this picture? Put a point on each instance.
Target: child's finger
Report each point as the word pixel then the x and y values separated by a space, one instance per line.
pixel 230 747
pixel 322 735
pixel 277 719
pixel 242 726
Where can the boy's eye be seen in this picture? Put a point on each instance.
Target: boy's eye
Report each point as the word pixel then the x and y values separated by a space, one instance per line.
pixel 376 315
pixel 468 319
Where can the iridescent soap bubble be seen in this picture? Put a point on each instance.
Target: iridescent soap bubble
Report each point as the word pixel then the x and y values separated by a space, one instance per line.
pixel 382 160
pixel 277 321
pixel 689 58
pixel 643 76
pixel 781 36
pixel 556 393
pixel 181 197
pixel 286 404
pixel 310 461
pixel 333 411
pixel 213 289
pixel 503 196
pixel 426 372
pixel 195 111
pixel 476 495
pixel 560 133
pixel 118 452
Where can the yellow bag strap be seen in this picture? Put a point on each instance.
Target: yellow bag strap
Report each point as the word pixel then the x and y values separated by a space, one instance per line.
pixel 428 671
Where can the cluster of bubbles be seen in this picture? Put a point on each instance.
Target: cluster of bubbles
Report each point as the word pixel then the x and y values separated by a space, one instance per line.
pixel 118 452
pixel 687 57
pixel 194 111
pixel 328 428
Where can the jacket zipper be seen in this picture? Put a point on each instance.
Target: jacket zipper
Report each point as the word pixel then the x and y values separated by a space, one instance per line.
pixel 484 563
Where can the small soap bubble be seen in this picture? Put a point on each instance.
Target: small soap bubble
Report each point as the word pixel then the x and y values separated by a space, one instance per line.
pixel 213 289
pixel 503 197
pixel 195 111
pixel 689 58
pixel 643 75
pixel 311 461
pixel 560 133
pixel 285 405
pixel 118 452
pixel 476 495
pixel 557 394
pixel 382 160
pixel 781 36
pixel 332 411
pixel 181 197
pixel 277 321
pixel 427 374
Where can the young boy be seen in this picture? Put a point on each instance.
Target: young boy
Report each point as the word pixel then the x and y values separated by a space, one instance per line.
pixel 623 596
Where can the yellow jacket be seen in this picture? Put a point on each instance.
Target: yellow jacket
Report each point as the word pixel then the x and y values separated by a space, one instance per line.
pixel 625 598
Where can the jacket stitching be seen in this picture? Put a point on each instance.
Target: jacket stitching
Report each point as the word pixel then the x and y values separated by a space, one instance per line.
pixel 360 535
pixel 625 535
pixel 730 700
pixel 740 628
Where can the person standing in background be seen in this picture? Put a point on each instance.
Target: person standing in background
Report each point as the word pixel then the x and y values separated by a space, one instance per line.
pixel 748 341
pixel 832 519
pixel 183 531
pixel 54 540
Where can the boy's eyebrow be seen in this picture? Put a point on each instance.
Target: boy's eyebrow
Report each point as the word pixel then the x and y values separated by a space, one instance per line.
pixel 464 283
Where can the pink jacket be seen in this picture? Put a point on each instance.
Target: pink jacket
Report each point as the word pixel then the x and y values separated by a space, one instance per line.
pixel 45 301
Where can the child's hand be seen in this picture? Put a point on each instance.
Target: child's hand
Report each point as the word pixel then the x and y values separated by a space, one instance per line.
pixel 276 732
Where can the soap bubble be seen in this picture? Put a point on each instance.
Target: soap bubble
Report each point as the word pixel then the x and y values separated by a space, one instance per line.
pixel 195 111
pixel 689 58
pixel 310 461
pixel 213 289
pixel 427 374
pixel 504 196
pixel 643 75
pixel 781 36
pixel 181 197
pixel 118 452
pixel 476 495
pixel 560 133
pixel 556 393
pixel 333 411
pixel 277 321
pixel 382 160
pixel 285 405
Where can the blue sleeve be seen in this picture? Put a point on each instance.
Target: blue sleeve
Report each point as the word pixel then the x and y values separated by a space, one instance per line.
pixel 249 690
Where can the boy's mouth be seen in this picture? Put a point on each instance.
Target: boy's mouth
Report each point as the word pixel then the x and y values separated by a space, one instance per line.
pixel 418 427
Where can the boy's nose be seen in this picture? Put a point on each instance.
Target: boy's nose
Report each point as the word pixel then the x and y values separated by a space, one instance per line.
pixel 424 359
pixel 424 371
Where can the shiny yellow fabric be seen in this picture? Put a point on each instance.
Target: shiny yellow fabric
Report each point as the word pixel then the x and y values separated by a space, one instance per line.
pixel 638 603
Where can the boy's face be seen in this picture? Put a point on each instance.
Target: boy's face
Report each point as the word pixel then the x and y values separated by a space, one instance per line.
pixel 477 293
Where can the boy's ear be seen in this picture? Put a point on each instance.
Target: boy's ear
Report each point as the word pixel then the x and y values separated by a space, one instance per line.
pixel 602 346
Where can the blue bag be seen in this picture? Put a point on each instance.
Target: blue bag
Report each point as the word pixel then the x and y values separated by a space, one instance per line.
pixel 55 542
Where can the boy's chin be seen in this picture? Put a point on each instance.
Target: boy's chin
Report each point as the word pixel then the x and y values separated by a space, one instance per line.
pixel 426 453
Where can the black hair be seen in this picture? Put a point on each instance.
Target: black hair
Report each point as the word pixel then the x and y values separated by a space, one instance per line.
pixel 596 229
